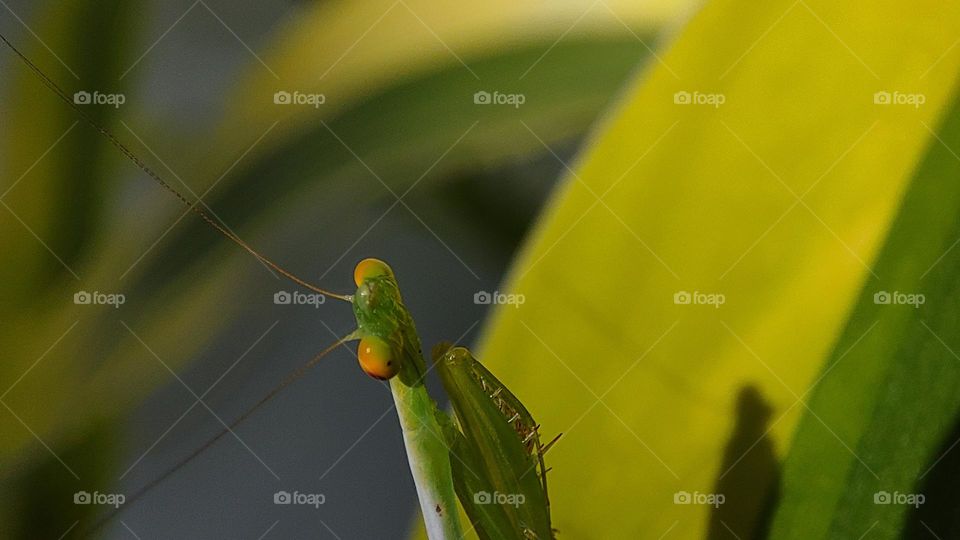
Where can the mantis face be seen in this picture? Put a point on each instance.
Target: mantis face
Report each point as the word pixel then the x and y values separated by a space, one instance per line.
pixel 380 319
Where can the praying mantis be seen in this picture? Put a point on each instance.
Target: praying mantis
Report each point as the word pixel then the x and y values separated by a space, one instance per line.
pixel 487 458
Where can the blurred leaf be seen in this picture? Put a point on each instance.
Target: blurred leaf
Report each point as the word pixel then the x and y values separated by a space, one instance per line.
pixel 55 198
pixel 702 199
pixel 57 178
pixel 385 133
pixel 889 394
pixel 41 504
pixel 349 50
pixel 187 282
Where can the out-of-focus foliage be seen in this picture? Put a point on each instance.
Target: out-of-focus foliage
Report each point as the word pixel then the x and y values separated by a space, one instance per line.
pixel 890 388
pixel 398 98
pixel 314 160
pixel 779 199
pixel 55 189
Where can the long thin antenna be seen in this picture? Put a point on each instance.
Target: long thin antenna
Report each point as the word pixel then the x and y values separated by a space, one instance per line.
pixel 287 381
pixel 192 206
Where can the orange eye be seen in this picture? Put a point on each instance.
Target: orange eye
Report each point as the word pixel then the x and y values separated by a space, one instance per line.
pixel 369 268
pixel 376 358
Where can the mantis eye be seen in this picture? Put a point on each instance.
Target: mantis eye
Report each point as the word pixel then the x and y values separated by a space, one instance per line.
pixel 369 268
pixel 376 358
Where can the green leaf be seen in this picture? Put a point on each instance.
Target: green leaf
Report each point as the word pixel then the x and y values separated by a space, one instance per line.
pixel 655 398
pixel 878 421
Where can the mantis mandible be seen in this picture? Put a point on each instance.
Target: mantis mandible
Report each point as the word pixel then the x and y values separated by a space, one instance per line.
pixel 488 455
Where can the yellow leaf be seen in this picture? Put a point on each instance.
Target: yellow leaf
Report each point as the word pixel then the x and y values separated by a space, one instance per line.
pixel 770 179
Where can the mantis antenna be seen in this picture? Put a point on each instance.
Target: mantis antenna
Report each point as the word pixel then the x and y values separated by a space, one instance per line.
pixel 287 381
pixel 192 206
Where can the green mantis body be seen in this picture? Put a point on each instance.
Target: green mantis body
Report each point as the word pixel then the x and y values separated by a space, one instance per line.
pixel 490 449
pixel 500 475
pixel 490 455
pixel 381 315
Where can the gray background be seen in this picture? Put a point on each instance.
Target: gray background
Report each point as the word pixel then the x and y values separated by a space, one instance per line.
pixel 331 432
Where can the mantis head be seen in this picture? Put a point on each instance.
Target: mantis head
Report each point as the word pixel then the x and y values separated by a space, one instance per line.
pixel 383 322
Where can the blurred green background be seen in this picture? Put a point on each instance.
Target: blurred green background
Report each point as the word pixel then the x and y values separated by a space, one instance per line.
pixel 733 227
